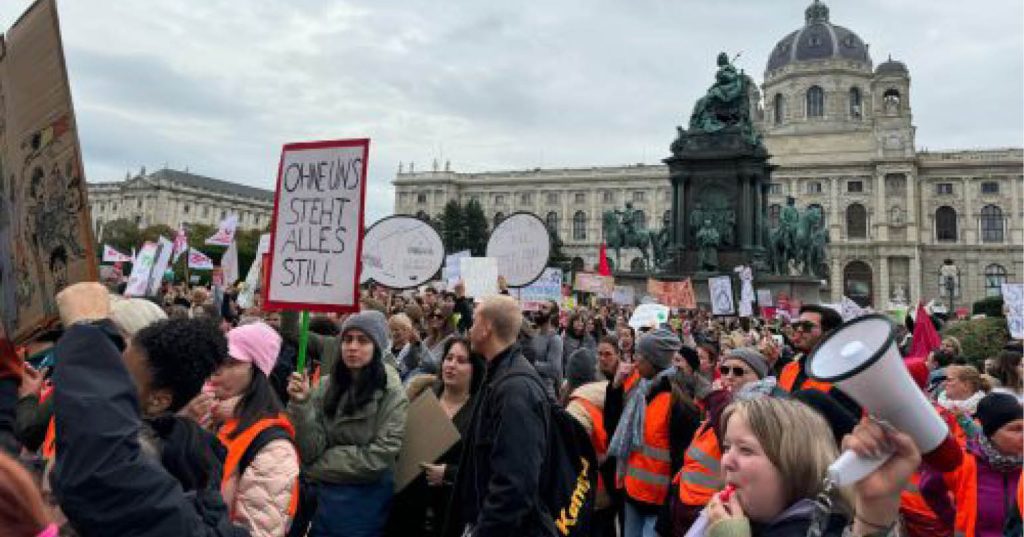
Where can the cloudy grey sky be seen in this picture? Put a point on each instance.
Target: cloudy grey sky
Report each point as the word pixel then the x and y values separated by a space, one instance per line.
pixel 218 85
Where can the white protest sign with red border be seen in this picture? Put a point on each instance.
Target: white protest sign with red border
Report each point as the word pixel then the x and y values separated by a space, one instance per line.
pixel 317 231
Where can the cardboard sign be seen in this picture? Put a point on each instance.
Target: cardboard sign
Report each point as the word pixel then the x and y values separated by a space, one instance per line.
pixel 623 295
pixel 429 433
pixel 546 288
pixel 1013 304
pixel 402 252
pixel 318 226
pixel 522 245
pixel 138 281
pixel 480 275
pixel 674 294
pixel 46 240
pixel 649 316
pixel 722 303
pixel 602 286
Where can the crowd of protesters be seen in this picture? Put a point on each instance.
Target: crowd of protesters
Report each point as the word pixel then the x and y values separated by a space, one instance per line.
pixel 187 416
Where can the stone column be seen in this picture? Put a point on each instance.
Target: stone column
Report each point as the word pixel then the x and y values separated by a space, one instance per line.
pixel 883 282
pixel 759 209
pixel 915 277
pixel 836 278
pixel 1014 233
pixel 881 219
pixel 912 200
pixel 744 218
pixel 968 234
pixel 835 219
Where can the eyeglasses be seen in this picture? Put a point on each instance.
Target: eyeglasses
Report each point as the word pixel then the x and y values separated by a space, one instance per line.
pixel 736 371
pixel 805 326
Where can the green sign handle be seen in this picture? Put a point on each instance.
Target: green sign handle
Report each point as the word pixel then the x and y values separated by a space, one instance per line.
pixel 303 340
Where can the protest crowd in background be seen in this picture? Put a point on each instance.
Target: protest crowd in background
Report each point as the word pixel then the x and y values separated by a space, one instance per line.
pixel 177 415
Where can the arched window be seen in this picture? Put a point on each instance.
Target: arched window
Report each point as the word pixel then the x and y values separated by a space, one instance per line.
pixel 821 211
pixel 945 224
pixel 891 101
pixel 774 210
pixel 641 219
pixel 780 108
pixel 855 106
pixel 498 217
pixel 856 222
pixel 815 101
pixel 857 284
pixel 577 264
pixel 579 226
pixel 995 277
pixel 552 221
pixel 991 224
pixel 666 220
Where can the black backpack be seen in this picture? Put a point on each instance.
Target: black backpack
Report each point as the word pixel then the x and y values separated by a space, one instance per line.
pixel 568 483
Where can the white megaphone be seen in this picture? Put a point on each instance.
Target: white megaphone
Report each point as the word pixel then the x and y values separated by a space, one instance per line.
pixel 861 359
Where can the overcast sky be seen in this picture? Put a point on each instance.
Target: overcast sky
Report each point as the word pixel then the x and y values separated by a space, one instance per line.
pixel 218 86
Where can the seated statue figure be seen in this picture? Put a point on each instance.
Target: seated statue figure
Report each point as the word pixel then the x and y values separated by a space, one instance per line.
pixel 724 103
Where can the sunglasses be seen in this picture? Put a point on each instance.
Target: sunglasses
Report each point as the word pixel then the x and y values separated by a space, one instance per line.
pixel 805 326
pixel 736 371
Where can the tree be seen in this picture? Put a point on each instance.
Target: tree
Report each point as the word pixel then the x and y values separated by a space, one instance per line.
pixel 154 232
pixel 452 227
pixel 121 234
pixel 476 228
pixel 979 338
pixel 558 259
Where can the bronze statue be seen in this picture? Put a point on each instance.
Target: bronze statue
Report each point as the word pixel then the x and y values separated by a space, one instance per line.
pixel 726 104
pixel 620 230
pixel 708 242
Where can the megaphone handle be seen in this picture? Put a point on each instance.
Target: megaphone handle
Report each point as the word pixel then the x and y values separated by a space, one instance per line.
pixel 850 468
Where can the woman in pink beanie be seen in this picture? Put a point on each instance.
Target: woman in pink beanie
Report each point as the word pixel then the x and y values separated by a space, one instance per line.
pixel 260 482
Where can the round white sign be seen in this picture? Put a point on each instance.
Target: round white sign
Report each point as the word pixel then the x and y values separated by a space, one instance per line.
pixel 521 245
pixel 401 252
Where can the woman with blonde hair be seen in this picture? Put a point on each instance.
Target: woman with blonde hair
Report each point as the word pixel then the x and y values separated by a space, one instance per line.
pixel 964 388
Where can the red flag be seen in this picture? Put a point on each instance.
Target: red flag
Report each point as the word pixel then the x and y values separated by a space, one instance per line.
pixel 925 339
pixel 602 268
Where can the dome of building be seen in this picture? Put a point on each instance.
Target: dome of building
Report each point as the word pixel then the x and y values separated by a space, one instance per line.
pixel 819 39
pixel 891 67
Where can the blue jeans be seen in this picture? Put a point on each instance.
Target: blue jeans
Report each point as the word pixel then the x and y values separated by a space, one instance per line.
pixel 353 510
pixel 638 524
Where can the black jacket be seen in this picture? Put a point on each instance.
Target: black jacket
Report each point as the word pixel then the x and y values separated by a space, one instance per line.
pixel 105 483
pixel 497 487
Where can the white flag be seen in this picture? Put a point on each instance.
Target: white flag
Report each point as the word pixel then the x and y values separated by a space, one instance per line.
pixel 198 260
pixel 225 232
pixel 111 255
pixel 229 264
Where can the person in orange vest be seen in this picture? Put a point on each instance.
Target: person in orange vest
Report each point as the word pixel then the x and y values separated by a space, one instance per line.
pixel 983 487
pixel 260 481
pixel 652 433
pixel 815 322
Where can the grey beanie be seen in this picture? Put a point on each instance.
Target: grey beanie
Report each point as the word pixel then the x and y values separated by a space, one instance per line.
pixel 582 367
pixel 750 356
pixel 373 324
pixel 658 346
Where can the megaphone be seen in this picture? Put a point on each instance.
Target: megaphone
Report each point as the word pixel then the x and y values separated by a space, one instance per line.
pixel 861 359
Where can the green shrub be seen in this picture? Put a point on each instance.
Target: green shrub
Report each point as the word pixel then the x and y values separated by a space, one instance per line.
pixel 990 306
pixel 980 338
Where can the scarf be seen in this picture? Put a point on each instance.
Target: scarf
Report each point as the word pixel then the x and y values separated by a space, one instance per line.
pixel 630 432
pixel 996 459
pixel 968 406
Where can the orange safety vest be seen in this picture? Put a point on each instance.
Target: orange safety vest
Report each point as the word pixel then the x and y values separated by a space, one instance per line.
pixel 918 517
pixel 701 475
pixel 598 434
pixel 787 380
pixel 631 380
pixel 236 450
pixel 649 465
pixel 49 448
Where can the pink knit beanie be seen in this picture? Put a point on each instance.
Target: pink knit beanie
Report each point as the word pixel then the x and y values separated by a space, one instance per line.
pixel 256 343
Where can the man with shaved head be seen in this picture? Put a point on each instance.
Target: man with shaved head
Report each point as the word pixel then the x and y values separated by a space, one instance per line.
pixel 498 481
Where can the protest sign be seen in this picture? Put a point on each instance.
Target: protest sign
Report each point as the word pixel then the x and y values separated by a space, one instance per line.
pixel 225 234
pixel 198 260
pixel 163 258
pixel 429 432
pixel 623 295
pixel 720 288
pixel 46 240
pixel 480 275
pixel 521 244
pixel 602 286
pixel 850 309
pixel 674 294
pixel 318 226
pixel 402 252
pixel 1013 304
pixel 764 298
pixel 111 255
pixel 648 316
pixel 546 288
pixel 229 263
pixel 138 281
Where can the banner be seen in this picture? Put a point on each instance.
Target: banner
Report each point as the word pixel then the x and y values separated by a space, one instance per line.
pixel 46 240
pixel 138 281
pixel 674 294
pixel 111 255
pixel 648 316
pixel 602 286
pixel 1013 304
pixel 522 245
pixel 225 234
pixel 247 298
pixel 623 295
pixel 163 259
pixel 229 263
pixel 180 243
pixel 318 226
pixel 746 276
pixel 480 275
pixel 546 288
pixel 402 252
pixel 722 303
pixel 198 260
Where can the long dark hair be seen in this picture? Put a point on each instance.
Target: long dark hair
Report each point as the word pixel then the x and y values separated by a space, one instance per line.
pixel 372 379
pixel 475 360
pixel 259 401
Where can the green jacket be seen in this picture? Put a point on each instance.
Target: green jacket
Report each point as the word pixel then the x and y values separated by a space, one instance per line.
pixel 351 449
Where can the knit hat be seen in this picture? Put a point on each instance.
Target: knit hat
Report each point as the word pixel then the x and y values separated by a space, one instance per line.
pixel 658 346
pixel 372 323
pixel 256 343
pixel 690 355
pixel 133 314
pixel 582 367
pixel 997 409
pixel 750 356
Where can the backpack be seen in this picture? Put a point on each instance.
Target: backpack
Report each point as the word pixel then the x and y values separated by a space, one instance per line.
pixel 568 483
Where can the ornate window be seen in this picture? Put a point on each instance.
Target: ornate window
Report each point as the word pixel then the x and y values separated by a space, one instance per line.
pixel 857 282
pixel 945 224
pixel 995 277
pixel 774 210
pixel 780 108
pixel 641 219
pixel 552 197
pixel 943 189
pixel 891 101
pixel 855 106
pixel 581 197
pixel 814 187
pixel 499 199
pixel 815 101
pixel 579 226
pixel 552 221
pixel 991 224
pixel 184 208
pixel 638 196
pixel 988 187
pixel 855 186
pixel 775 188
pixel 608 196
pixel 526 198
pixel 856 222
pixel 498 217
